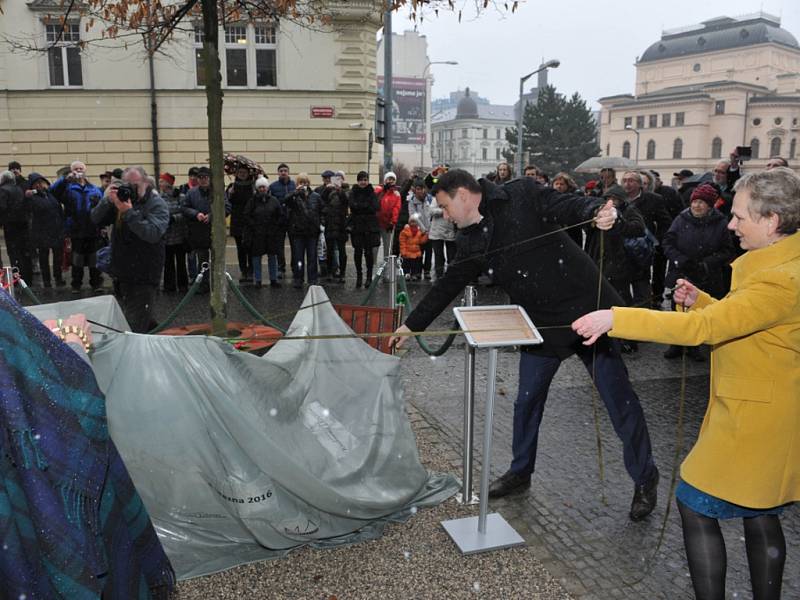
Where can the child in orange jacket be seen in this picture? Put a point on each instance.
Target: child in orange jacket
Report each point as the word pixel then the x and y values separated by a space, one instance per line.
pixel 412 238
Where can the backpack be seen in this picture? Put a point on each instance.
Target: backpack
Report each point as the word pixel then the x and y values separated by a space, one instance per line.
pixel 640 250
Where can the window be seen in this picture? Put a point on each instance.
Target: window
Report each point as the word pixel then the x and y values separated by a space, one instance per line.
pixel 497 153
pixel 608 149
pixel 756 121
pixel 778 120
pixel 775 147
pixel 679 119
pixel 793 148
pixel 626 150
pixel 265 43
pixel 486 134
pixel 484 153
pixel 640 122
pixel 465 152
pixel 719 107
pixel 199 38
pixel 716 148
pixel 64 54
pixel 498 133
pixel 666 120
pixel 249 57
pixel 653 121
pixel 464 134
pixel 236 55
pixel 755 148
pixel 677 148
pixel 651 150
pixel 628 122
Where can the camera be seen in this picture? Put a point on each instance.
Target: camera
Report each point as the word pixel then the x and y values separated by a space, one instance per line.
pixel 126 193
pixel 744 152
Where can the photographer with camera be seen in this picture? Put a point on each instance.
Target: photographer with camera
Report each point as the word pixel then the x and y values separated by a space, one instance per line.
pixel 140 218
pixel 79 197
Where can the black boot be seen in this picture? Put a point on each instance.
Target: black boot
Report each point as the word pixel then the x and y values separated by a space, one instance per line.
pixel 368 280
pixel 508 484
pixel 358 279
pixel 645 497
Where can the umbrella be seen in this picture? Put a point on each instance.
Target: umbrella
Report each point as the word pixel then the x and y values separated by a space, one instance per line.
pixel 595 164
pixel 234 162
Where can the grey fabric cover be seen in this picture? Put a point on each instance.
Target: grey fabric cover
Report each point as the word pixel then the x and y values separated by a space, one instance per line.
pixel 240 458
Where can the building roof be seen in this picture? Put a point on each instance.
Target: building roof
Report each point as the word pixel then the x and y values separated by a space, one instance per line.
pixel 682 92
pixel 496 112
pixel 721 33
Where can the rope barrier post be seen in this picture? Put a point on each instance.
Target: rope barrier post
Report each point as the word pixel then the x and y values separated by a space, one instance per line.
pixel 9 276
pixel 487 439
pixel 393 281
pixel 466 496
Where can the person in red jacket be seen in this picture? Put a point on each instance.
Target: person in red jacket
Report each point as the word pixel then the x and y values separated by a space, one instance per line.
pixel 388 211
pixel 412 239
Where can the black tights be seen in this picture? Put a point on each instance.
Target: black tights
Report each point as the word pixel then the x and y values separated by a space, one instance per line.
pixel 705 551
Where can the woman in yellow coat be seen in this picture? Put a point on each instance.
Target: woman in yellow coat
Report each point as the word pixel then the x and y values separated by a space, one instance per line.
pixel 746 462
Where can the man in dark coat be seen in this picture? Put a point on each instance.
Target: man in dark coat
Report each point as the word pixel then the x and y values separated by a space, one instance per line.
pixel 281 188
pixel 512 230
pixel 15 215
pixel 239 193
pixel 47 235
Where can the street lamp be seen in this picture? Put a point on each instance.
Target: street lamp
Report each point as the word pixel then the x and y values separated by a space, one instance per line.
pixel 425 107
pixel 550 64
pixel 636 131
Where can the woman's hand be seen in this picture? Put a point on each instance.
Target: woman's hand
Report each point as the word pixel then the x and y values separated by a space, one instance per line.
pixel 685 293
pixel 593 325
pixel 74 329
pixel 606 216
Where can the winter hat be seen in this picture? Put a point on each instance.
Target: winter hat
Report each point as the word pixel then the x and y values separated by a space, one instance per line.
pixel 707 193
pixel 327 174
pixel 590 185
pixel 615 191
pixel 389 175
pixel 34 177
pixel 168 177
pixel 262 181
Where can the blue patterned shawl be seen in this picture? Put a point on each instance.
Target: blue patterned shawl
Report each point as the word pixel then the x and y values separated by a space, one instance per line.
pixel 72 525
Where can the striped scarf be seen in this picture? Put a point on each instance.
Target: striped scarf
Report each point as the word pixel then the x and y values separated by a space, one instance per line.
pixel 72 525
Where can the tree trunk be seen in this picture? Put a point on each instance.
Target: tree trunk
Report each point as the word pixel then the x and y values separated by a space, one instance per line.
pixel 211 62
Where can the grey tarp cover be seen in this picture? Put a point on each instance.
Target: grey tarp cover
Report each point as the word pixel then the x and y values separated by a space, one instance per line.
pixel 240 458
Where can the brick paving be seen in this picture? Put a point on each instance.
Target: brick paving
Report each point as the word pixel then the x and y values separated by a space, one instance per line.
pixel 575 526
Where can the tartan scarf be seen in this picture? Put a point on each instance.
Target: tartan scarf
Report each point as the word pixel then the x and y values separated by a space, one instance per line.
pixel 72 525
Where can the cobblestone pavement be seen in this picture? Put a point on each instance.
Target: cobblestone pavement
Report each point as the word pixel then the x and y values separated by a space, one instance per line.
pixel 575 525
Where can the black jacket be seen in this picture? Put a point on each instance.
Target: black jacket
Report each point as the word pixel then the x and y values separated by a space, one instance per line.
pixel 305 212
pixel 364 227
pixel 263 220
pixel 48 220
pixel 15 209
pixel 617 266
pixel 654 211
pixel 238 195
pixel 551 277
pixel 198 200
pixel 334 213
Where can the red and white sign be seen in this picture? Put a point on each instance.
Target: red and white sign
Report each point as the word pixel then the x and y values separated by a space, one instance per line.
pixel 322 112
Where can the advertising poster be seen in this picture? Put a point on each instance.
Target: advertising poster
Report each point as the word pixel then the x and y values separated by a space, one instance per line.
pixel 408 109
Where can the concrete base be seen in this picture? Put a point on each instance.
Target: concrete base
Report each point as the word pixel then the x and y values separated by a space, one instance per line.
pixel 499 534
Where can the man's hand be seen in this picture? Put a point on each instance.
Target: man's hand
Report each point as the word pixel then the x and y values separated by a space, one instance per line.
pixel 122 207
pixel 606 216
pixel 28 193
pixel 685 293
pixel 202 217
pixel 593 325
pixel 398 340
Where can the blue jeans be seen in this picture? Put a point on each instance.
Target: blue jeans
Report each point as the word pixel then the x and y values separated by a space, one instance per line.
pixel 613 386
pixel 304 255
pixel 272 266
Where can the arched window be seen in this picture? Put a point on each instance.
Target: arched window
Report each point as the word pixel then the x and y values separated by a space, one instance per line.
pixel 775 147
pixel 626 150
pixel 716 148
pixel 677 148
pixel 755 147
pixel 793 148
pixel 651 150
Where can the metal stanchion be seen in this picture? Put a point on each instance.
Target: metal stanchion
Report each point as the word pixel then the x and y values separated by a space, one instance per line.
pixel 393 280
pixel 466 496
pixel 491 384
pixel 9 275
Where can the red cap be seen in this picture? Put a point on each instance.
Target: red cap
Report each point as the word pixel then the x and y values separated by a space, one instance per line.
pixel 168 177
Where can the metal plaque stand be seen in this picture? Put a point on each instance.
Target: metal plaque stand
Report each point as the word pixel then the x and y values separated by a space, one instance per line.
pixel 490 327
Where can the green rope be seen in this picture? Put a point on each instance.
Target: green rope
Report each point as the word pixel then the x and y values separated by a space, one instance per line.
pixel 403 298
pixel 373 286
pixel 29 292
pixel 172 316
pixel 249 307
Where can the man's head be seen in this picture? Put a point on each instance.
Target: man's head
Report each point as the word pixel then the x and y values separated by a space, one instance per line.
pixel 721 172
pixel 683 175
pixel 105 178
pixel 283 172
pixel 37 182
pixel 531 171
pixel 632 183
pixel 326 176
pixel 77 170
pixel 242 173
pixel 772 163
pixel 362 179
pixel 459 196
pixel 15 167
pixel 203 177
pixel 419 189
pixel 608 176
pixel 503 171
pixel 7 177
pixel 137 177
pixel 193 171
pixel 165 183
pixel 656 178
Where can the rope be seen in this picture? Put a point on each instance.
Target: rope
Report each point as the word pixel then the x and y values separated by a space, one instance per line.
pixel 406 299
pixel 189 295
pixel 250 308
pixel 595 393
pixel 28 291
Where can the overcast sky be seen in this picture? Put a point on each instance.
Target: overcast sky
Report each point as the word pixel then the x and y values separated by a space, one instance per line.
pixel 597 42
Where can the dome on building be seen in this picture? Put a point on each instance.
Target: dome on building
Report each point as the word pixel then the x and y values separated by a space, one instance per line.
pixel 721 33
pixel 467 107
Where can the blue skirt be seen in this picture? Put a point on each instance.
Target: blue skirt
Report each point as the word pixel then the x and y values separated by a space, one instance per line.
pixel 717 508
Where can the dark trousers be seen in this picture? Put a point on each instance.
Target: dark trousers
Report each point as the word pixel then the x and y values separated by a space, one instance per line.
pixel 614 387
pixel 136 300
pixel 243 257
pixel 175 274
pixel 427 255
pixel 337 255
pixel 440 247
pixel 84 255
pixel 412 266
pixel 282 252
pixel 369 259
pixel 304 255
pixel 44 264
pixel 642 293
pixel 18 244
pixel 659 272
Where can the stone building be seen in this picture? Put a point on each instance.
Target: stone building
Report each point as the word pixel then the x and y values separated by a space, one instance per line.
pixel 292 93
pixel 702 90
pixel 471 136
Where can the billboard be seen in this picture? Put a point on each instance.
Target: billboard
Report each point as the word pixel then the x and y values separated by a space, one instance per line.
pixel 408 109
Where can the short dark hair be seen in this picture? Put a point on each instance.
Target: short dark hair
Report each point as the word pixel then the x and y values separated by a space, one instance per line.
pixel 193 171
pixel 14 165
pixel 283 166
pixel 418 183
pixel 117 173
pixel 784 162
pixel 456 178
pixel 362 175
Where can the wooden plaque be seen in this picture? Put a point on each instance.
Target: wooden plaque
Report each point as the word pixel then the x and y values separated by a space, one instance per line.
pixel 494 326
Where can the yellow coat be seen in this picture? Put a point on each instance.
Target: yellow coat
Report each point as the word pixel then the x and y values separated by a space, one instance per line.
pixel 748 449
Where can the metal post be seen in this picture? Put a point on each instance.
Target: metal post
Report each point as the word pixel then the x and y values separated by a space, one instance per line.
pixel 466 496
pixel 388 92
pixel 520 166
pixel 487 439
pixel 9 273
pixel 393 280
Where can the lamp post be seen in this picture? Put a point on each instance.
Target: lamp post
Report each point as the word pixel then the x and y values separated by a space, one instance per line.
pixel 636 131
pixel 550 64
pixel 425 109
